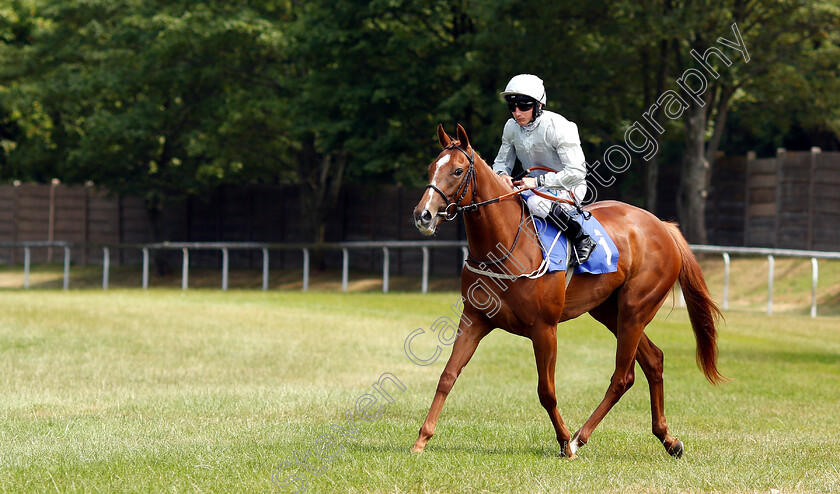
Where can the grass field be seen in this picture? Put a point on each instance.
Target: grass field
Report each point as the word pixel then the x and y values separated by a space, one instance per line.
pixel 206 391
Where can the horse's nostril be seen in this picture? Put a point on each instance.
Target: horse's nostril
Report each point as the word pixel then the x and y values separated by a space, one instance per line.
pixel 426 216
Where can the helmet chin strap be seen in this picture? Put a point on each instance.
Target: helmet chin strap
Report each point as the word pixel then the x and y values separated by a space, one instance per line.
pixel 537 112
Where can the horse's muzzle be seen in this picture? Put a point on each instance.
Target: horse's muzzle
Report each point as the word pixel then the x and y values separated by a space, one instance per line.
pixel 425 221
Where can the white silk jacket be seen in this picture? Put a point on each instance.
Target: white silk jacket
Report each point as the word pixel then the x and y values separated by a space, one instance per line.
pixel 550 141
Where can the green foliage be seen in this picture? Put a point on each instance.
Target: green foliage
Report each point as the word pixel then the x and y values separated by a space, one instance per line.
pixel 168 99
pixel 161 100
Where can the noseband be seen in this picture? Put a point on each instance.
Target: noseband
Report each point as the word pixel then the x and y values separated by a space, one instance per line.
pixel 453 206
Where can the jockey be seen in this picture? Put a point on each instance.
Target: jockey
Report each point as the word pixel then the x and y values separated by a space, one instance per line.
pixel 542 138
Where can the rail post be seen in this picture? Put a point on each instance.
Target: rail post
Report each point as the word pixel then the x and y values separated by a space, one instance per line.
pixel 27 259
pixel 814 276
pixel 66 284
pixel 305 270
pixel 185 269
pixel 465 254
pixel 386 260
pixel 345 268
pixel 424 285
pixel 145 268
pixel 770 272
pixel 725 281
pixel 265 269
pixel 225 268
pixel 106 266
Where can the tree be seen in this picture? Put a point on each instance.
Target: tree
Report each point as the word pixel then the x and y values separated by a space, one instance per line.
pixel 369 83
pixel 168 100
pixel 759 41
pixel 158 99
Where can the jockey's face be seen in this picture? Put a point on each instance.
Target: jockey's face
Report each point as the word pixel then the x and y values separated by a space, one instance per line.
pixel 522 108
pixel 523 117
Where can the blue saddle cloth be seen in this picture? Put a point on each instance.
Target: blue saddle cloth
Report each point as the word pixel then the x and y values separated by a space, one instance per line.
pixel 604 258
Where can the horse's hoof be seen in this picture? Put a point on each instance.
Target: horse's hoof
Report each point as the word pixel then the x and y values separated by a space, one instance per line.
pixel 677 449
pixel 566 451
pixel 417 449
pixel 575 444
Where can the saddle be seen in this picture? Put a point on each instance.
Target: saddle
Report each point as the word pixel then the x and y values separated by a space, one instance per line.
pixel 604 258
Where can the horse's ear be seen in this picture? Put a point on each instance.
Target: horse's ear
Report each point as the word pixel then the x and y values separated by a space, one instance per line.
pixel 462 136
pixel 443 137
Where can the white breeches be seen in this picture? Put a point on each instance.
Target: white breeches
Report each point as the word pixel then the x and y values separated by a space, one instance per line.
pixel 541 206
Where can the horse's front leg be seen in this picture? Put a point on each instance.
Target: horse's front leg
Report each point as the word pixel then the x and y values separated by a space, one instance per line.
pixel 462 351
pixel 545 352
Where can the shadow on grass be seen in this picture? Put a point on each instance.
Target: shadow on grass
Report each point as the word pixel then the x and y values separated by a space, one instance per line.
pixel 443 448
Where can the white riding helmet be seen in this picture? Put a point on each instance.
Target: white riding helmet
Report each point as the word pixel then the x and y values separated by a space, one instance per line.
pixel 527 85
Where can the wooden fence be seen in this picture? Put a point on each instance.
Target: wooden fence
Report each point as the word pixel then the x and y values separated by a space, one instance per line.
pixel 788 201
pixel 251 213
pixel 793 200
pixel 75 213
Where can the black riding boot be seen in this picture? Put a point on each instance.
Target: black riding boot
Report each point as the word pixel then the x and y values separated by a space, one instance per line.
pixel 582 242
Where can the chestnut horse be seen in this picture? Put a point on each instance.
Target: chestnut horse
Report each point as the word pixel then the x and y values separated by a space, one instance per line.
pixel 653 255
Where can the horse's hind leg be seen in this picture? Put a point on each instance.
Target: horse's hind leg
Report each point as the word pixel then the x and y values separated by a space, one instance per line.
pixel 628 333
pixel 651 360
pixel 545 352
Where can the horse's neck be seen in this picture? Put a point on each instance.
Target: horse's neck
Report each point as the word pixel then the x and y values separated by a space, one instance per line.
pixel 492 230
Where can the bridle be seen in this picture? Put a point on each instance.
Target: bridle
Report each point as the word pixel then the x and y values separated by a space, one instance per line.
pixel 453 207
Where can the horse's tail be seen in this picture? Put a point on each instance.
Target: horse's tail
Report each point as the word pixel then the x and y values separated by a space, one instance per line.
pixel 702 310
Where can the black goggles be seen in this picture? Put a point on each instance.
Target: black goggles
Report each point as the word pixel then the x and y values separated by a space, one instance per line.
pixel 522 105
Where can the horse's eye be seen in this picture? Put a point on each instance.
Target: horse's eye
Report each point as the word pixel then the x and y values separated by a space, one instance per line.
pixel 458 172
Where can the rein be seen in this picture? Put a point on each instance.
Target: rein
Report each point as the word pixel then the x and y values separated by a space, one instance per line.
pixel 453 206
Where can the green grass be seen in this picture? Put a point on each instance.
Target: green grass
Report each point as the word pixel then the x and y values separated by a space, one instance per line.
pixel 207 391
